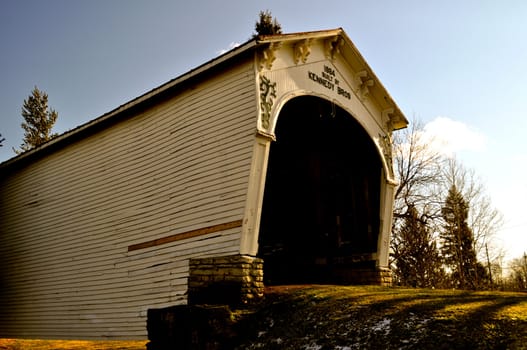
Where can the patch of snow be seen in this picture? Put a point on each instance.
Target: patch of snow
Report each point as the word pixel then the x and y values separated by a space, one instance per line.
pixel 313 346
pixel 383 325
pixel 413 321
pixel 278 341
pixel 418 327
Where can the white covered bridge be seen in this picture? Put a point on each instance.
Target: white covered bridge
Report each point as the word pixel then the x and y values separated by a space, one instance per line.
pixel 277 151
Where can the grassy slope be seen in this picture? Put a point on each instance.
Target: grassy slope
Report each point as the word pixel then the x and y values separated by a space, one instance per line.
pixel 358 317
pixel 363 317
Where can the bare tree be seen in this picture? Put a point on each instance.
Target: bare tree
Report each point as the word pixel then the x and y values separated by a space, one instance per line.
pixel 418 171
pixel 417 208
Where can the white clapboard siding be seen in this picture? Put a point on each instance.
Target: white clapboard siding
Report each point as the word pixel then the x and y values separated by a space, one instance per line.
pixel 68 218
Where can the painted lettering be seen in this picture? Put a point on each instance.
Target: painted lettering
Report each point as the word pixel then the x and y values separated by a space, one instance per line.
pixel 329 70
pixel 327 76
pixel 344 93
pixel 327 79
pixel 324 82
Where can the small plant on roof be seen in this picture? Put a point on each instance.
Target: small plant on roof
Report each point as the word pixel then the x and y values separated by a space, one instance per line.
pixel 267 25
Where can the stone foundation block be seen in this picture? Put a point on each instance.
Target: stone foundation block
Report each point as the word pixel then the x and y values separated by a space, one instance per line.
pixel 229 280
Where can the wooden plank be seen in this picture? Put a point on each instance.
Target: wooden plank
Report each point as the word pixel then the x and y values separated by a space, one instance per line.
pixel 185 235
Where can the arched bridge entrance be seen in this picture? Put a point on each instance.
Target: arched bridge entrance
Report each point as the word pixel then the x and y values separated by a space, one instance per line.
pixel 321 208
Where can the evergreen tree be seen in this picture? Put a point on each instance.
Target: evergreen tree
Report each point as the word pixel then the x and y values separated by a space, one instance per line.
pixel 518 273
pixel 267 25
pixel 418 263
pixel 458 243
pixel 38 120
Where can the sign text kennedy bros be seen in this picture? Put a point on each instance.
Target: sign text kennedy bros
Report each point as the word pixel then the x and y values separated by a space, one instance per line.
pixel 327 78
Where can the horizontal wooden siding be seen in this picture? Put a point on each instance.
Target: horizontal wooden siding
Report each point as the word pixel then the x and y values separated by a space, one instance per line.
pixel 67 220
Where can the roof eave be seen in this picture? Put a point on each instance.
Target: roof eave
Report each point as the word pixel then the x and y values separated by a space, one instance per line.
pixel 298 36
pixel 71 134
pixel 400 120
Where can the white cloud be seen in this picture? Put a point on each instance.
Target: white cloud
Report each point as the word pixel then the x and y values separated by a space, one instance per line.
pixel 450 136
pixel 232 45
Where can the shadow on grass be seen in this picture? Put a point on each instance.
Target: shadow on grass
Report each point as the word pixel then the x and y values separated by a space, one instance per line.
pixel 329 317
pixel 473 321
pixel 363 317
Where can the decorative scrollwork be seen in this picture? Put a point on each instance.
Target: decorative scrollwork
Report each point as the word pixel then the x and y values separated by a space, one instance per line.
pixel 267 94
pixel 386 145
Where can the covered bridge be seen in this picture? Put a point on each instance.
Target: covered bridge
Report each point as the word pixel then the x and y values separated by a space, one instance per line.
pixel 278 151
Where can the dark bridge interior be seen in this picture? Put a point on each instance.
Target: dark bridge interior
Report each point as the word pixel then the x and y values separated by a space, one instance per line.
pixel 322 195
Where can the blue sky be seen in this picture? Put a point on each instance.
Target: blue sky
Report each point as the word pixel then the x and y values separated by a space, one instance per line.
pixel 463 62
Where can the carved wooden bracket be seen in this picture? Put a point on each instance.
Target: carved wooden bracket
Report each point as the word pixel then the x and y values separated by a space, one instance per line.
pixel 387 118
pixel 332 46
pixel 386 146
pixel 301 51
pixel 267 55
pixel 390 119
pixel 364 82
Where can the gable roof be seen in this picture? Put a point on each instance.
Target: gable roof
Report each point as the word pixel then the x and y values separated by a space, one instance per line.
pixel 348 50
pixel 350 54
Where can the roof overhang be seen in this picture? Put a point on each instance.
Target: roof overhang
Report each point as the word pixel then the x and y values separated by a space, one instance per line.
pixel 345 47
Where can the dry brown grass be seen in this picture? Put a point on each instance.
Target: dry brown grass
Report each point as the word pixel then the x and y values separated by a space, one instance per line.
pixel 369 317
pixel 37 344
